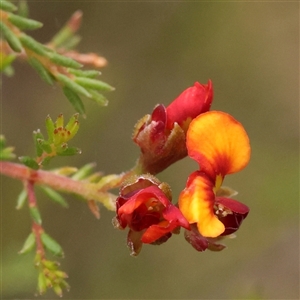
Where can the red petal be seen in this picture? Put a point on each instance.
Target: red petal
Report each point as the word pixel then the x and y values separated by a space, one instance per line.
pixel 155 232
pixel 189 104
pixel 143 196
pixel 173 218
pixel 173 214
pixel 232 221
pixel 233 205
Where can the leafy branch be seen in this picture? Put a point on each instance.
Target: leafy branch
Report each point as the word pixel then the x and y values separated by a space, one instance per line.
pixel 54 61
pixel 84 182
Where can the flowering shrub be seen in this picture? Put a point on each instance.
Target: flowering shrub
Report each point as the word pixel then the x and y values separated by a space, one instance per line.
pixel 186 127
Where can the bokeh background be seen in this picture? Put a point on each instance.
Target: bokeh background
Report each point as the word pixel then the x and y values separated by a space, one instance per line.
pixel 155 50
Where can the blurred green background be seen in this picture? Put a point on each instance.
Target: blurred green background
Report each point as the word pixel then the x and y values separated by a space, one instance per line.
pixel 155 50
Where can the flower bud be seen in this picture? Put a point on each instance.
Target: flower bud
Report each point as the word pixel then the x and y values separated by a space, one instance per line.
pixel 161 135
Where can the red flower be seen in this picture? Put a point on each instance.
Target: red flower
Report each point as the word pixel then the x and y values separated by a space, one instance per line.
pixel 146 209
pixel 221 146
pixel 161 135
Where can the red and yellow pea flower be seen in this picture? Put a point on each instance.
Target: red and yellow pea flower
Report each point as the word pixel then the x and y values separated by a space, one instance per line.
pixel 221 146
pixel 206 211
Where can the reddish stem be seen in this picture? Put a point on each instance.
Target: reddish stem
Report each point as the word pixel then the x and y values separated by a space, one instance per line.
pixel 37 229
pixel 85 189
pixel 56 181
pixel 30 192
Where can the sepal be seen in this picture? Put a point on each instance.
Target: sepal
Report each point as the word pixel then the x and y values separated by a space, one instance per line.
pixel 159 147
pixel 201 243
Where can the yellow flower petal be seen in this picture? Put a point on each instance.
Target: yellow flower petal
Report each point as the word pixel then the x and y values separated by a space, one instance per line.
pixel 196 203
pixel 218 143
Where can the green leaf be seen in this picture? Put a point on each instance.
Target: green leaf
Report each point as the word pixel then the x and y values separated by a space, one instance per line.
pixel 21 199
pixel 71 42
pixel 2 141
pixel 64 61
pixel 93 84
pixel 29 162
pixel 61 37
pixel 24 23
pixel 9 71
pixel 7 153
pixel 35 214
pixel 98 98
pixel 50 128
pixel 75 87
pixel 11 38
pixel 73 125
pixel 42 71
pixel 33 45
pixel 69 151
pixel 74 100
pixel 6 60
pixel 46 161
pixel 51 245
pixel 59 122
pixel 73 122
pixel 42 283
pixel 23 10
pixel 55 196
pixel 37 135
pixel 7 6
pixel 28 244
pixel 85 73
pixel 45 146
pixel 49 264
pixel 57 290
pixel 84 171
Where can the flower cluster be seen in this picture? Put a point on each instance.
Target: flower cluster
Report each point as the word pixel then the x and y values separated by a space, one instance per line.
pixel 217 142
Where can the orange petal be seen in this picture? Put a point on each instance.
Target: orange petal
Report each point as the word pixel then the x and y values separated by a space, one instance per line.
pixel 196 203
pixel 219 143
